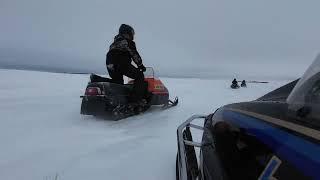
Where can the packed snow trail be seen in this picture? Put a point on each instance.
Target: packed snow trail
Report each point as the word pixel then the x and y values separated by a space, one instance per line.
pixel 43 135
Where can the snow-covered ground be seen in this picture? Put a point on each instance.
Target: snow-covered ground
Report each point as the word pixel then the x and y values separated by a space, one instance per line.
pixel 43 135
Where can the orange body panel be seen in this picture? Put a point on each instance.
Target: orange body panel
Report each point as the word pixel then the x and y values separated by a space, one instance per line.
pixel 155 86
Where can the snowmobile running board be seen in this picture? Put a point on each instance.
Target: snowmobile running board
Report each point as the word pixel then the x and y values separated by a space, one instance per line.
pixel 181 157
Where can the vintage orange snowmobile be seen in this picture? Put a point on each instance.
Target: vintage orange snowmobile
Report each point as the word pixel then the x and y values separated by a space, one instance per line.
pixel 105 98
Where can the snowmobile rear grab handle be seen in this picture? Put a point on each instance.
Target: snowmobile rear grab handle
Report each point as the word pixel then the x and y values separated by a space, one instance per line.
pixel 182 142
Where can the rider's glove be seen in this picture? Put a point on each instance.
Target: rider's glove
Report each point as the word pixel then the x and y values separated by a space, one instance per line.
pixel 142 68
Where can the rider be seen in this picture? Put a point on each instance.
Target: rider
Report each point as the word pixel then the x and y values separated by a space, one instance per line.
pixel 235 82
pixel 243 83
pixel 119 57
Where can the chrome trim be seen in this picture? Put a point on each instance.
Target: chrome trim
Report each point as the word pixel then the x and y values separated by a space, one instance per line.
pixel 196 126
pixel 191 143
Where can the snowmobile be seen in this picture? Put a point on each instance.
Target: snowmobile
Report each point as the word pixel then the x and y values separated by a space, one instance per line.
pixel 276 136
pixel 234 84
pixel 105 98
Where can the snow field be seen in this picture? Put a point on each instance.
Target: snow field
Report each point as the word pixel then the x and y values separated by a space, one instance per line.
pixel 43 135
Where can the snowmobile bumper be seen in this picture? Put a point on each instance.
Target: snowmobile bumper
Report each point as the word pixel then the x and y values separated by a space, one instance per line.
pixel 186 162
pixel 93 105
pixel 159 99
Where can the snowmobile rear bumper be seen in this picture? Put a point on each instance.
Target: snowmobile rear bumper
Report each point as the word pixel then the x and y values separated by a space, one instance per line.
pixel 93 105
pixel 186 164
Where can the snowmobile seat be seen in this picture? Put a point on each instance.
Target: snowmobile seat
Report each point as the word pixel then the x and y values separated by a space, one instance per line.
pixel 96 78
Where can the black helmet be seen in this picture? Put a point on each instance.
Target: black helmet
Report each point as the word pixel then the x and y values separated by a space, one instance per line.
pixel 126 29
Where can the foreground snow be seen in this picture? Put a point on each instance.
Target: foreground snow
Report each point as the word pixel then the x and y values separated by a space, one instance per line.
pixel 42 134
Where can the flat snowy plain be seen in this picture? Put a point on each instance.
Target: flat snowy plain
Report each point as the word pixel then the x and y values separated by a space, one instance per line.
pixel 43 135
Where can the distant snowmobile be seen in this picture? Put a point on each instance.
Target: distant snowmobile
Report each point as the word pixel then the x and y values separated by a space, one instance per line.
pixel 234 84
pixel 243 83
pixel 105 98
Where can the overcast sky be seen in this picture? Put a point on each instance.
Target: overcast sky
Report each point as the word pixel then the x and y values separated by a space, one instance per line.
pixel 212 38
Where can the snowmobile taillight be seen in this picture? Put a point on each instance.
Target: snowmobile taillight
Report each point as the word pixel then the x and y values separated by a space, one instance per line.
pixel 93 91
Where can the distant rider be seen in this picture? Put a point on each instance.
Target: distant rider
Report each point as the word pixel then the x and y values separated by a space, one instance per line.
pixel 234 82
pixel 119 57
pixel 243 83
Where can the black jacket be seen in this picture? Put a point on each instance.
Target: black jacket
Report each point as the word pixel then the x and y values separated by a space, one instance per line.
pixel 122 51
pixel 235 82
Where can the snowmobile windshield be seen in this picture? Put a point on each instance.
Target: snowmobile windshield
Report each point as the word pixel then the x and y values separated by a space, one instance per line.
pixel 306 94
pixel 308 86
pixel 149 73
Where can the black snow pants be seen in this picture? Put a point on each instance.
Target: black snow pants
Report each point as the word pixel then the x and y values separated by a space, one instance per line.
pixel 116 72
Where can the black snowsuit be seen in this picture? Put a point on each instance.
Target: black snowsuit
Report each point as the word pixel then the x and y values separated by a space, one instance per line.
pixel 235 82
pixel 243 83
pixel 121 53
pixel 118 61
